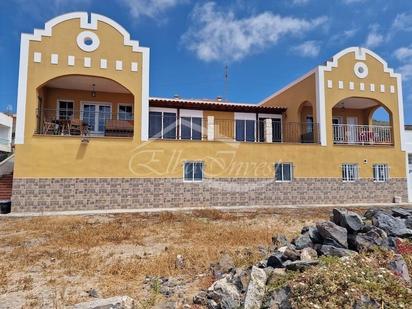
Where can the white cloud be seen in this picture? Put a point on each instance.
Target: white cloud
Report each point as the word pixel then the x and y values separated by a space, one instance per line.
pixel 402 22
pixel 406 71
pixel 218 35
pixel 403 53
pixel 151 8
pixel 374 38
pixel 307 49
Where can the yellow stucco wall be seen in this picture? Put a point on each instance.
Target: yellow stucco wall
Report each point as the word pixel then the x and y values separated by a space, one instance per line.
pixel 63 43
pixel 62 156
pixel 293 98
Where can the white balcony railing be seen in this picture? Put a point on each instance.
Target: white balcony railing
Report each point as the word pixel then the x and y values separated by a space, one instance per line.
pixel 362 134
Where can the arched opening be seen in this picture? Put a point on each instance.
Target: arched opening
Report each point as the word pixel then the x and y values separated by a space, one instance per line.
pixel 358 120
pixel 307 124
pixel 84 105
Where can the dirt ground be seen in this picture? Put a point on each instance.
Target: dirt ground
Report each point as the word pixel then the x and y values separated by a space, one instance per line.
pixel 55 261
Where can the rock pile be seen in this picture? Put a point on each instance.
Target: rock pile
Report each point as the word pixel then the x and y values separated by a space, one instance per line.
pixel 346 234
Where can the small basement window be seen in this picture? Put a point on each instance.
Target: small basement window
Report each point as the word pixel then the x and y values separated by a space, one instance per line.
pixel 350 172
pixel 193 171
pixel 283 172
pixel 380 172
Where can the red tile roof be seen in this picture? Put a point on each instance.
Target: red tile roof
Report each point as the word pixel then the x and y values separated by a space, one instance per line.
pixel 214 105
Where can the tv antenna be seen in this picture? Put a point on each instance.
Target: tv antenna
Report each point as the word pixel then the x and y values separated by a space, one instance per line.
pixel 225 94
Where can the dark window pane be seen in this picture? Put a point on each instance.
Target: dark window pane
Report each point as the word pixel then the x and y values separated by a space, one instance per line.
pixel 155 124
pixel 262 126
pixel 309 124
pixel 276 130
pixel 185 127
pixel 196 128
pixel 125 112
pixel 65 110
pixel 240 130
pixel 278 171
pixel 189 171
pixel 287 173
pixel 250 130
pixel 169 125
pixel 198 171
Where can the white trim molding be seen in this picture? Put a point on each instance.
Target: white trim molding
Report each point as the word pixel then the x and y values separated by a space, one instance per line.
pixel 360 55
pixel 92 37
pixel 85 24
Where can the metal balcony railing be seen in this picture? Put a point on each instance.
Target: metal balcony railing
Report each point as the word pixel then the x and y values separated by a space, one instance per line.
pixel 362 134
pixel 88 122
pixel 198 128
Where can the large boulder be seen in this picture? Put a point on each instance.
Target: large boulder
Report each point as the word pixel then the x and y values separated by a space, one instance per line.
pixel 400 212
pixel 225 294
pixel 241 279
pixel 278 299
pixel 333 234
pixel 373 236
pixel 313 233
pixel 391 225
pixel 399 267
pixel 117 302
pixel 303 241
pixel 371 212
pixel 275 260
pixel 347 219
pixel 291 254
pixel 256 289
pixel 408 222
pixel 335 251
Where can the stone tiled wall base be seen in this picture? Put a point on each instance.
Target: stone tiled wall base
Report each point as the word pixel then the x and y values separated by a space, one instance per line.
pixel 35 195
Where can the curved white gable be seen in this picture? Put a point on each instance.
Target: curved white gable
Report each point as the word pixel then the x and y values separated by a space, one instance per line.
pixel 360 55
pixel 84 24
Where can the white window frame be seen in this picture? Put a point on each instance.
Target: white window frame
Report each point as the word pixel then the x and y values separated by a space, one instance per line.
pixel 386 169
pixel 188 113
pixel 96 120
pixel 291 170
pixel 271 116
pixel 161 110
pixel 193 180
pixel 347 166
pixel 58 106
pixel 124 104
pixel 245 116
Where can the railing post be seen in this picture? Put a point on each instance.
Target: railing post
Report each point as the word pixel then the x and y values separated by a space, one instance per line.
pixel 210 128
pixel 268 131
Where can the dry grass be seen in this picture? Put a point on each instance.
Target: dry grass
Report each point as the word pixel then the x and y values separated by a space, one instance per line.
pixel 115 253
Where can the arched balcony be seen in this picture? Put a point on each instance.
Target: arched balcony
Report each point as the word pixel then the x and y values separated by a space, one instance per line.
pixel 85 106
pixel 361 121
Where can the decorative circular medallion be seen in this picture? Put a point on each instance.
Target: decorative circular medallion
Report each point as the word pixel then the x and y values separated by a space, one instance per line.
pixel 88 41
pixel 360 69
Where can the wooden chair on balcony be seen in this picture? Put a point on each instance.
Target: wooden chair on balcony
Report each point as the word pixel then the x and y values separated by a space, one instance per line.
pixel 78 127
pixel 49 127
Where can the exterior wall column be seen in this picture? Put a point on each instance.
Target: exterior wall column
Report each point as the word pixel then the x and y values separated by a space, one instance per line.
pixel 210 128
pixel 268 131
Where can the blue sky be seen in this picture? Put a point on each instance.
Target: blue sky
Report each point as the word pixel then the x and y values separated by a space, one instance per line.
pixel 266 44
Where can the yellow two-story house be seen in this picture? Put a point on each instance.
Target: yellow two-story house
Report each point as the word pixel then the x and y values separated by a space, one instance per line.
pixel 89 136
